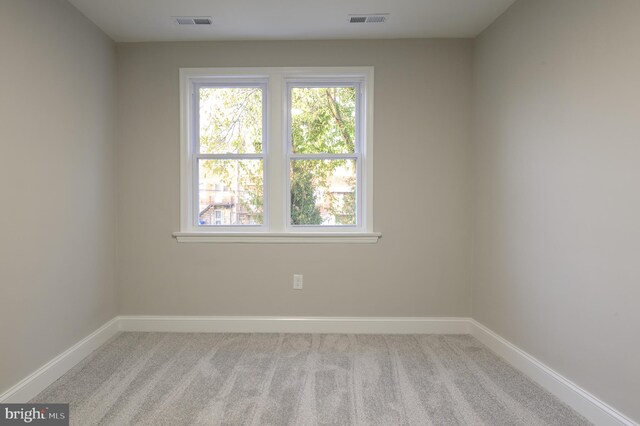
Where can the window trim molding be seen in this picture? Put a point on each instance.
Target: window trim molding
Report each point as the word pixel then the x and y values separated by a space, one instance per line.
pixel 275 150
pixel 279 237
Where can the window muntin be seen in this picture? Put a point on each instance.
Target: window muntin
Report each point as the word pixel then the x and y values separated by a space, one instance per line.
pixel 229 158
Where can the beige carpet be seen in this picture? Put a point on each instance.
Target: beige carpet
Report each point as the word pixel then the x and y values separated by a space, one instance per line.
pixel 301 379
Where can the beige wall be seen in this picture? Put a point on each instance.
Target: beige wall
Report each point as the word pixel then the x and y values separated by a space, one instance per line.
pixel 554 166
pixel 57 251
pixel 422 198
pixel 557 199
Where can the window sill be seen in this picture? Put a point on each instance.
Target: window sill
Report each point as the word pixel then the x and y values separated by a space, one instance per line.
pixel 278 238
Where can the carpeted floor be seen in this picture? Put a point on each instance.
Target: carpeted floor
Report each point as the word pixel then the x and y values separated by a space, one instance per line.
pixel 301 379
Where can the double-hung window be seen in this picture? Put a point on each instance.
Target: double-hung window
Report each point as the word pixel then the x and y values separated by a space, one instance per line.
pixel 228 159
pixel 276 155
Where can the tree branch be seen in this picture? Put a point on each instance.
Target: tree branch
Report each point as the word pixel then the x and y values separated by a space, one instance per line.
pixel 335 111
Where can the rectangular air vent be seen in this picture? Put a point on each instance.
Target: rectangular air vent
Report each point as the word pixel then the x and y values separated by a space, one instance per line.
pixel 193 20
pixel 377 18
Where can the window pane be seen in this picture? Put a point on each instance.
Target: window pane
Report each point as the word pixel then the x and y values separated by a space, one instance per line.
pixel 230 120
pixel 323 120
pixel 231 192
pixel 323 192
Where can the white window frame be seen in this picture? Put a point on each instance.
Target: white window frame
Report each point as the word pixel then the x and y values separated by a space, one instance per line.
pixel 276 155
pixel 194 144
pixel 313 82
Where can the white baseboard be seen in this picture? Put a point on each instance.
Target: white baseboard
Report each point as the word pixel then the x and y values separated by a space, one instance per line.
pixel 37 381
pixel 359 325
pixel 592 408
pixel 580 400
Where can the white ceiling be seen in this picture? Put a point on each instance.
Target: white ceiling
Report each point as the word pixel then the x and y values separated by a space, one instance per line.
pixel 151 20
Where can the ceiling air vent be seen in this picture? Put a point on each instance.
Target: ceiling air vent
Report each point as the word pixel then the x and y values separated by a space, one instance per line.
pixel 193 20
pixel 378 18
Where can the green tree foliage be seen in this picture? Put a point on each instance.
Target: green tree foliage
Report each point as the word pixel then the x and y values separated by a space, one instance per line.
pixel 322 121
pixel 230 120
pixel 303 198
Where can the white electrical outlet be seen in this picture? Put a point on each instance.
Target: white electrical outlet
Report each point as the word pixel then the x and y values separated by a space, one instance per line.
pixel 297 282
